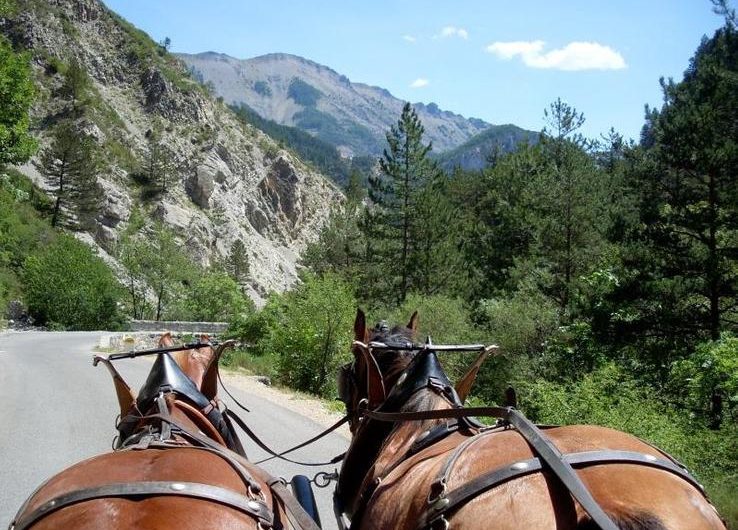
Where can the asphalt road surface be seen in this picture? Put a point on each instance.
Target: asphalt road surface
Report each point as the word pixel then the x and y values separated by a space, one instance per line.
pixel 56 409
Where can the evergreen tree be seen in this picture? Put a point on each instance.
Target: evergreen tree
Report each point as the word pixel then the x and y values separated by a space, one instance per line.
pixel 70 165
pixel 237 262
pixel 159 164
pixel 76 88
pixel 568 210
pixel 688 198
pixel 392 223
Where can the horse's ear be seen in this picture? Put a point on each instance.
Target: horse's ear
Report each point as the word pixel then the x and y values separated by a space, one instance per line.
pixel 360 332
pixel 413 324
pixel 205 338
pixel 166 339
pixel 209 385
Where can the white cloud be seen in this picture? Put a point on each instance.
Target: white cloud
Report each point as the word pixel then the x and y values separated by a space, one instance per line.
pixel 452 31
pixel 573 56
pixel 419 83
pixel 409 38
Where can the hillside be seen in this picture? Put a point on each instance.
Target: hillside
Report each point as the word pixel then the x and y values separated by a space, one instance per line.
pixel 231 182
pixel 473 154
pixel 294 91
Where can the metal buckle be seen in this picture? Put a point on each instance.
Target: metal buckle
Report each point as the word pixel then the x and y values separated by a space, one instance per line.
pixel 438 490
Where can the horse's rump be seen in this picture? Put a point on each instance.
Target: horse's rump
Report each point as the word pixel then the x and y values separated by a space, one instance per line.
pixel 627 492
pixel 176 465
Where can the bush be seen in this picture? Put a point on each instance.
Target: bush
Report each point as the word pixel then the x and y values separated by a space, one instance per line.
pixel 611 397
pixel 67 285
pixel 710 373
pixel 311 335
pixel 216 297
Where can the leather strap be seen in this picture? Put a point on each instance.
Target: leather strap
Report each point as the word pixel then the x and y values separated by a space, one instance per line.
pixel 553 458
pixel 299 518
pixel 266 448
pixel 447 502
pixel 255 508
pixel 293 508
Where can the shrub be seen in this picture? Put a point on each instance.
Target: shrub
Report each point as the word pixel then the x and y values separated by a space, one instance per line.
pixel 311 335
pixel 67 285
pixel 611 397
pixel 216 297
pixel 710 373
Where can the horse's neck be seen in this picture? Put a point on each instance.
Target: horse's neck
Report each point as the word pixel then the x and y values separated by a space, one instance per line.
pixel 380 446
pixel 401 438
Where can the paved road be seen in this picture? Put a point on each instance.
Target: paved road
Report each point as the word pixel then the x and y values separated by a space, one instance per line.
pixel 56 409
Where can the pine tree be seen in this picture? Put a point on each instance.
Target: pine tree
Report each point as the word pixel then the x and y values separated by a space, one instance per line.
pixel 688 193
pixel 76 88
pixel 70 165
pixel 568 210
pixel 237 262
pixel 158 165
pixel 392 220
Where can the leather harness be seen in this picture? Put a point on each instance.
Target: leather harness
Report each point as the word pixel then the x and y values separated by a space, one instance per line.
pixel 424 372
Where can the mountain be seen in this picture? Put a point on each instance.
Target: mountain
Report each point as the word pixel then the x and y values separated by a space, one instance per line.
pixel 353 117
pixel 232 182
pixel 473 154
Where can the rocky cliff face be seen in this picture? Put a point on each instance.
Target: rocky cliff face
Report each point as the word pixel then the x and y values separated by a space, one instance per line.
pixel 231 181
pixel 294 91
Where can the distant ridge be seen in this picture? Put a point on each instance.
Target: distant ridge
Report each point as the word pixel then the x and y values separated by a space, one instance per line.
pixel 294 91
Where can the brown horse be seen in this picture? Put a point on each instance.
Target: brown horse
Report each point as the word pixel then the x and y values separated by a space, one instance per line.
pixel 177 464
pixel 437 473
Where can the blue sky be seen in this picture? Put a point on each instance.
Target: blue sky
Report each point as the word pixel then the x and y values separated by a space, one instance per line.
pixel 497 60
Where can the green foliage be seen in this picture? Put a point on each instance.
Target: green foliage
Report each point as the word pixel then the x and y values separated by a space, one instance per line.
pixel 67 285
pixel 611 397
pixel 307 330
pixel 707 381
pixel 237 263
pixel 314 337
pixel 408 224
pixel 216 297
pixel 303 93
pixel 520 324
pixel 154 259
pixel 680 252
pixel 16 95
pixel 22 231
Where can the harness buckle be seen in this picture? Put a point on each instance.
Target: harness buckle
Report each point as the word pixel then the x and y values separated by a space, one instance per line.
pixel 439 523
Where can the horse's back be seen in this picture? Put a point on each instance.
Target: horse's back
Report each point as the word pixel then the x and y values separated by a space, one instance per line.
pixel 175 465
pixel 635 496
